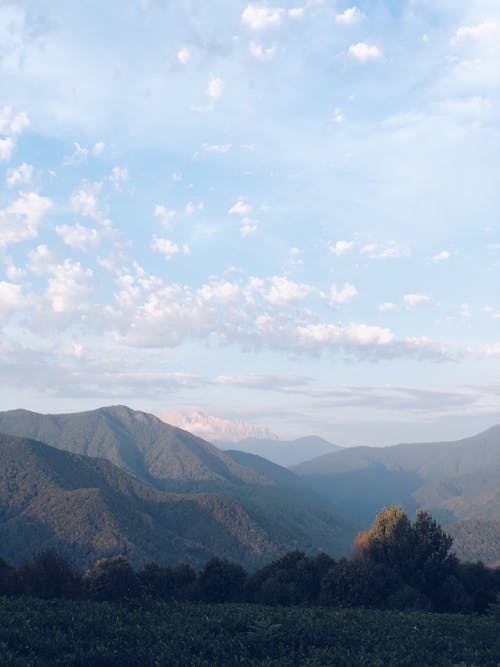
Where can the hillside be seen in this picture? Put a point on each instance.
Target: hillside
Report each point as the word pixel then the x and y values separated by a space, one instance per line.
pixel 170 459
pixel 283 452
pixel 456 481
pixel 89 508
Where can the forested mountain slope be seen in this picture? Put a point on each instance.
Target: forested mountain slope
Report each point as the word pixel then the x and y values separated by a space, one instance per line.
pixel 173 460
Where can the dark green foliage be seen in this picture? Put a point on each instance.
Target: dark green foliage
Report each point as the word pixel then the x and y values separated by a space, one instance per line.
pixel 35 633
pixel 417 553
pixel 221 581
pixel 294 579
pixel 48 575
pixel 111 579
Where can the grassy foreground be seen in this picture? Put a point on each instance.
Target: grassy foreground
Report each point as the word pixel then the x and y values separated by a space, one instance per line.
pixel 38 633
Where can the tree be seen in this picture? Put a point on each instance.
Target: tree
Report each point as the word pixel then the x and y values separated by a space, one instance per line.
pixel 419 552
pixel 48 575
pixel 111 579
pixel 221 581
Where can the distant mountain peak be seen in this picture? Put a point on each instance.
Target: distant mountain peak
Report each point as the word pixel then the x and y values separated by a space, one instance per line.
pixel 216 428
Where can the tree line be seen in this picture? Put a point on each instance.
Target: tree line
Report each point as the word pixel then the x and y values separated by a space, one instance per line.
pixel 396 564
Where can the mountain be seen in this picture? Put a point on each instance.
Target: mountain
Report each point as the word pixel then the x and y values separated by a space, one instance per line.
pixel 283 452
pixel 172 460
pixel 456 481
pixel 88 508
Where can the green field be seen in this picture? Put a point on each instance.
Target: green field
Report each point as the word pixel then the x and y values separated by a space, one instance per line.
pixel 38 633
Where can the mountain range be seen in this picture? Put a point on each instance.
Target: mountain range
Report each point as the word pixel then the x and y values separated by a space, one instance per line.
pixel 283 452
pixel 457 481
pixel 251 499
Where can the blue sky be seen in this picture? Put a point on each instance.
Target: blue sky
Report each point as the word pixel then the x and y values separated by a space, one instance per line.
pixel 281 213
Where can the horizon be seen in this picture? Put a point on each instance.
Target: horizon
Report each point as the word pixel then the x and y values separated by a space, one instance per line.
pixel 279 213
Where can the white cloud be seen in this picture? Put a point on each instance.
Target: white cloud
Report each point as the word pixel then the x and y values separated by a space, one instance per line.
pixel 41 260
pixel 388 250
pixel 20 220
pixel 77 236
pixel 416 299
pixel 475 31
pixel 118 176
pixel 216 148
pixel 261 53
pixel 344 295
pixel 350 16
pixel 285 291
pixel 215 87
pixel 166 217
pixel 79 156
pixel 12 124
pixel 387 307
pixel 353 334
pixel 84 200
pixel 363 52
pixel 14 273
pixel 11 300
pixel 442 256
pixel 240 208
pixel 340 247
pixel 260 17
pixel 167 248
pixel 20 176
pixel 68 287
pixel 192 208
pixel 7 146
pixel 98 148
pixel 183 55
pixel 248 226
pixel 337 116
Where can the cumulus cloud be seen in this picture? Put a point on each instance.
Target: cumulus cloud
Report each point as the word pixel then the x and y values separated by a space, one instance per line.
pixel 84 201
pixel 389 250
pixel 478 31
pixel 412 300
pixel 353 334
pixel 261 17
pixel 350 16
pixel 363 52
pixel 20 176
pixel 284 291
pixel 183 55
pixel 12 124
pixel 68 287
pixel 215 87
pixel 240 207
pixel 118 176
pixel 79 156
pixel 11 300
pixel 7 146
pixel 262 53
pixel 191 208
pixel 337 116
pixel 344 295
pixel 98 148
pixel 166 217
pixel 216 148
pixel 167 248
pixel 442 256
pixel 387 307
pixel 340 247
pixel 77 236
pixel 248 226
pixel 20 220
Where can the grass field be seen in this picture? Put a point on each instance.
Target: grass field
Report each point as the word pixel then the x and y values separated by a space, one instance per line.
pixel 38 633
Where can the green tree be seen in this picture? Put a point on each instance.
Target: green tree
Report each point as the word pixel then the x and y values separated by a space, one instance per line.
pixel 111 579
pixel 419 552
pixel 221 581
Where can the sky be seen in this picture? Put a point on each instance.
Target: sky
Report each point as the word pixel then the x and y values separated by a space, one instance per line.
pixel 282 214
